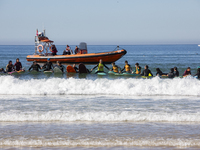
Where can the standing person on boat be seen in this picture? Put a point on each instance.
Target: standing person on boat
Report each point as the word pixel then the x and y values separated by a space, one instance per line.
pixel 198 73
pixel 137 69
pixel 187 72
pixel 76 50
pixel 127 67
pixel 75 68
pixel 171 73
pixel 18 65
pixel 176 72
pixel 53 49
pixel 146 72
pixel 60 66
pixel 100 66
pixel 115 68
pixel 10 67
pixel 159 72
pixel 34 66
pixel 48 65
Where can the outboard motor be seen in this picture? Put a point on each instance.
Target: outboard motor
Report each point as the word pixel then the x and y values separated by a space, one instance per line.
pixel 83 48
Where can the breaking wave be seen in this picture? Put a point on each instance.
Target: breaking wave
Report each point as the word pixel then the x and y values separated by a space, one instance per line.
pixel 55 86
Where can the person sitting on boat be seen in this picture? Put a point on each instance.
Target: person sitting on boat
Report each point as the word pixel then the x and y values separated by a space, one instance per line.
pixel 75 68
pixel 54 50
pixel 171 73
pixel 176 72
pixel 160 73
pixel 60 66
pixel 10 67
pixel 48 65
pixel 137 69
pixel 146 72
pixel 68 51
pixel 187 72
pixel 127 67
pixel 100 66
pixel 18 65
pixel 76 50
pixel 115 68
pixel 198 73
pixel 34 66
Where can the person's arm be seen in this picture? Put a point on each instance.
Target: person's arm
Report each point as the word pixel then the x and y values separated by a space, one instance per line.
pixel 105 66
pixel 130 68
pixel 7 68
pixel 95 67
pixel 150 73
pixel 123 69
pixel 30 68
pixel 184 73
pixel 39 66
pixel 20 65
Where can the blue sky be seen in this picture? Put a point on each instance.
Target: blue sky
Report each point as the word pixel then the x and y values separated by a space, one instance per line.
pixel 101 22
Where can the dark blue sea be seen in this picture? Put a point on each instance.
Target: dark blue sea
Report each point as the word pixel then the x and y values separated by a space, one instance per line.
pixel 47 111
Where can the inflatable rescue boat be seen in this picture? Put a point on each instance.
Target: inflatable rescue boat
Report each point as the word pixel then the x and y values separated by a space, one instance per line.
pixel 44 50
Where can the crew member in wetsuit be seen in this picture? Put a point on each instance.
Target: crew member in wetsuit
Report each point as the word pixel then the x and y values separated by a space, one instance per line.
pixel 127 67
pixel 10 67
pixel 18 65
pixel 34 66
pixel 159 72
pixel 137 69
pixel 60 66
pixel 198 73
pixel 115 68
pixel 146 72
pixel 48 65
pixel 75 68
pixel 187 72
pixel 176 72
pixel 100 66
pixel 171 73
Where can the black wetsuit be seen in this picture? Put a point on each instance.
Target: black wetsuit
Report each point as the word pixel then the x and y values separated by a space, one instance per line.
pixel 176 73
pixel 18 66
pixel 197 74
pixel 146 72
pixel 76 69
pixel 9 68
pixel 48 66
pixel 160 73
pixel 171 75
pixel 61 67
pixel 35 67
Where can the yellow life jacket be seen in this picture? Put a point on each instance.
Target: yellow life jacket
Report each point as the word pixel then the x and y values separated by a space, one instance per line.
pixel 127 68
pixel 115 69
pixel 100 67
pixel 138 70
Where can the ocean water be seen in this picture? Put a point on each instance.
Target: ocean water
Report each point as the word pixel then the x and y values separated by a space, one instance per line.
pixel 111 112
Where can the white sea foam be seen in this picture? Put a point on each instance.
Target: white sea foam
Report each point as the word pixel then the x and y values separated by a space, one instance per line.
pixel 103 142
pixel 58 116
pixel 13 86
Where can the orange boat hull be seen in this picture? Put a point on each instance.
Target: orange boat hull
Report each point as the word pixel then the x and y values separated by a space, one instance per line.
pixel 92 58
